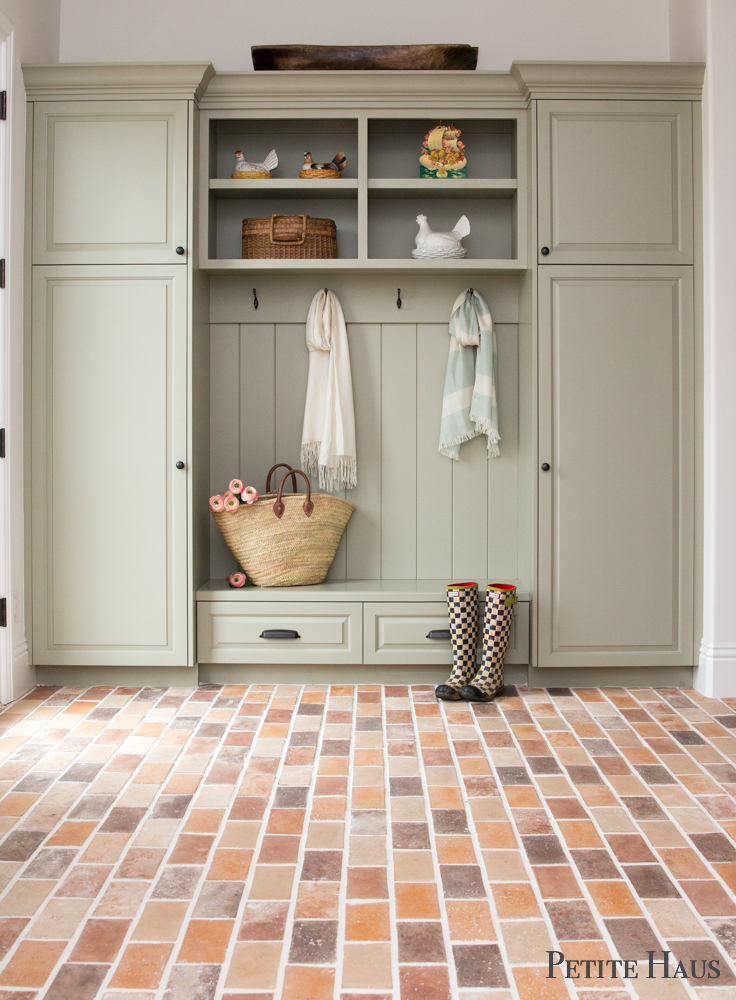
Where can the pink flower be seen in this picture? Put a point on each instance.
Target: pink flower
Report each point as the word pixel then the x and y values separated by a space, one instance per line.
pixel 236 486
pixel 237 580
pixel 231 504
pixel 226 494
pixel 250 494
pixel 217 503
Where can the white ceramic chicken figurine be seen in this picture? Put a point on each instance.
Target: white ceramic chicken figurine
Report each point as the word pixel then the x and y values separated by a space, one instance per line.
pixel 243 166
pixel 427 241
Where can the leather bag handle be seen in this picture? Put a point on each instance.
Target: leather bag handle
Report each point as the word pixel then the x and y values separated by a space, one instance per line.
pixel 278 507
pixel 293 243
pixel 281 465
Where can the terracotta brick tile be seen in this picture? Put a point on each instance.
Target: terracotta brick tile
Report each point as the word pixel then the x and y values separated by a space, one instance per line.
pixel 470 920
pixel 329 808
pixel 459 850
pixel 204 820
pixel 161 920
pixel 613 899
pixel 580 833
pixel 191 849
pixel 10 930
pixel 416 901
pixel 317 900
pixel 100 941
pixel 515 900
pixel 496 835
pixel 365 797
pixel 272 882
pixel 16 803
pixel 522 798
pixel 230 864
pixel 304 982
pixel 84 881
pixel 205 941
pixel 286 821
pixel 32 963
pixel 709 898
pixel 557 882
pixel 254 965
pixel 366 965
pixel 71 834
pixel 141 862
pixel 180 784
pixel 428 982
pixel 77 982
pixel 367 883
pixel 367 922
pixel 442 797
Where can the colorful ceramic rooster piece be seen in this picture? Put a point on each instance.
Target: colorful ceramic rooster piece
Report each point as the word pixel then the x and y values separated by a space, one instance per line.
pixel 244 169
pixel 323 171
pixel 443 155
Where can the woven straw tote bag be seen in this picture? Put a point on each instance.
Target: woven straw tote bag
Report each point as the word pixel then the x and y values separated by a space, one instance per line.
pixel 289 541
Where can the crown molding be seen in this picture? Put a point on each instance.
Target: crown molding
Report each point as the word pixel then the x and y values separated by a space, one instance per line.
pixel 103 81
pixel 658 80
pixel 356 89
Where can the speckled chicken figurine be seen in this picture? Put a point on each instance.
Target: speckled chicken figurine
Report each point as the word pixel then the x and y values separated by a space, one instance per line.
pixel 323 171
pixel 244 169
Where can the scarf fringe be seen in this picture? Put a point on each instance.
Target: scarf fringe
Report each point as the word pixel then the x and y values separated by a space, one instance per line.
pixel 486 427
pixel 333 478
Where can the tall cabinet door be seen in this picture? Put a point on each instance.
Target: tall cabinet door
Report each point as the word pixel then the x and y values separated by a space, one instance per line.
pixel 616 430
pixel 615 182
pixel 109 182
pixel 108 503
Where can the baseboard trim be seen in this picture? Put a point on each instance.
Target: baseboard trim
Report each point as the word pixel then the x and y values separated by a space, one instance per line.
pixel 298 673
pixel 611 677
pixel 715 675
pixel 118 676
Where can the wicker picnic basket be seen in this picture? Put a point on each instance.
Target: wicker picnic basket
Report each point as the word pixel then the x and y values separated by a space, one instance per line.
pixel 286 540
pixel 289 237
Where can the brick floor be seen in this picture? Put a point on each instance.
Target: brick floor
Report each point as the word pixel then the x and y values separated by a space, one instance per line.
pixel 365 843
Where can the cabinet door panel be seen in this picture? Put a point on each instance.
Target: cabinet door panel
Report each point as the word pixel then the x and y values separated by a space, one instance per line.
pixel 109 506
pixel 615 182
pixel 110 182
pixel 615 515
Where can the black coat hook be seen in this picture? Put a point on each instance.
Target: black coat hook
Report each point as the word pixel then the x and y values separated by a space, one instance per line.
pixel 255 299
pixel 398 300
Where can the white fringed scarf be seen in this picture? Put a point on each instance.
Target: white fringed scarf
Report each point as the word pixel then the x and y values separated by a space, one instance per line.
pixel 469 406
pixel 328 438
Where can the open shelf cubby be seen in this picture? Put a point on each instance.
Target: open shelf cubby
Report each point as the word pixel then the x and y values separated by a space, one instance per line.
pixel 376 201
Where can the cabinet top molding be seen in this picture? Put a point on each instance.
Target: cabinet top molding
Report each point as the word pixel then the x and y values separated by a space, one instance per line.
pixel 102 81
pixel 362 89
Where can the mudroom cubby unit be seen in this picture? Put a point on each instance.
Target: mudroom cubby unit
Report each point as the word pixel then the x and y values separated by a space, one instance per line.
pixel 582 185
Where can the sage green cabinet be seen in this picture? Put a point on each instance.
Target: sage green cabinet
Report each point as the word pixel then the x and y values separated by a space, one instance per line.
pixel 615 182
pixel 109 182
pixel 615 560
pixel 109 506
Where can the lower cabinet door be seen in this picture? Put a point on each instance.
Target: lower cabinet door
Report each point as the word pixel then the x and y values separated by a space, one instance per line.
pixel 276 632
pixel 400 633
pixel 109 506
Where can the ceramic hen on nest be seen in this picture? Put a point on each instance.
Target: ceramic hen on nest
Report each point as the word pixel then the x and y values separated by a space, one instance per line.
pixel 429 244
pixel 323 171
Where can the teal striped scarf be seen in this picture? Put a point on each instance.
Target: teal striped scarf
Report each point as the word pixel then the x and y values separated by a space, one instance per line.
pixel 469 405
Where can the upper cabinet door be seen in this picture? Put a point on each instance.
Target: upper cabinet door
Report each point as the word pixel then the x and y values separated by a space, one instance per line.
pixel 110 182
pixel 615 182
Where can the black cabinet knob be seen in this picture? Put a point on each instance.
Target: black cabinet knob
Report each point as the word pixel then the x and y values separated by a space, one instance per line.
pixel 545 466
pixel 180 250
pixel 544 251
pixel 180 465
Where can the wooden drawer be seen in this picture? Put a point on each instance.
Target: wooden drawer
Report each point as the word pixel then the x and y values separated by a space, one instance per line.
pixel 397 633
pixel 230 632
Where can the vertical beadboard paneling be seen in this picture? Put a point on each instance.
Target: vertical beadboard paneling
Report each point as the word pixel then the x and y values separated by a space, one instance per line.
pixel 257 399
pixel 502 471
pixel 292 367
pixel 399 451
pixel 434 472
pixel 364 529
pixel 224 431
pixel 470 511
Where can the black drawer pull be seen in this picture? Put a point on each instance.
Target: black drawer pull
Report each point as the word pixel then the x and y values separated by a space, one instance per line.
pixel 280 633
pixel 438 633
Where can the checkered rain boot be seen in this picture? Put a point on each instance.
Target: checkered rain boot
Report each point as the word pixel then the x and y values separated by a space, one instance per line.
pixel 488 682
pixel 462 606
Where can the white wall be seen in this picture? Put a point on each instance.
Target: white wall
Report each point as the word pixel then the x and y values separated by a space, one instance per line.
pixel 36 24
pixel 222 31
